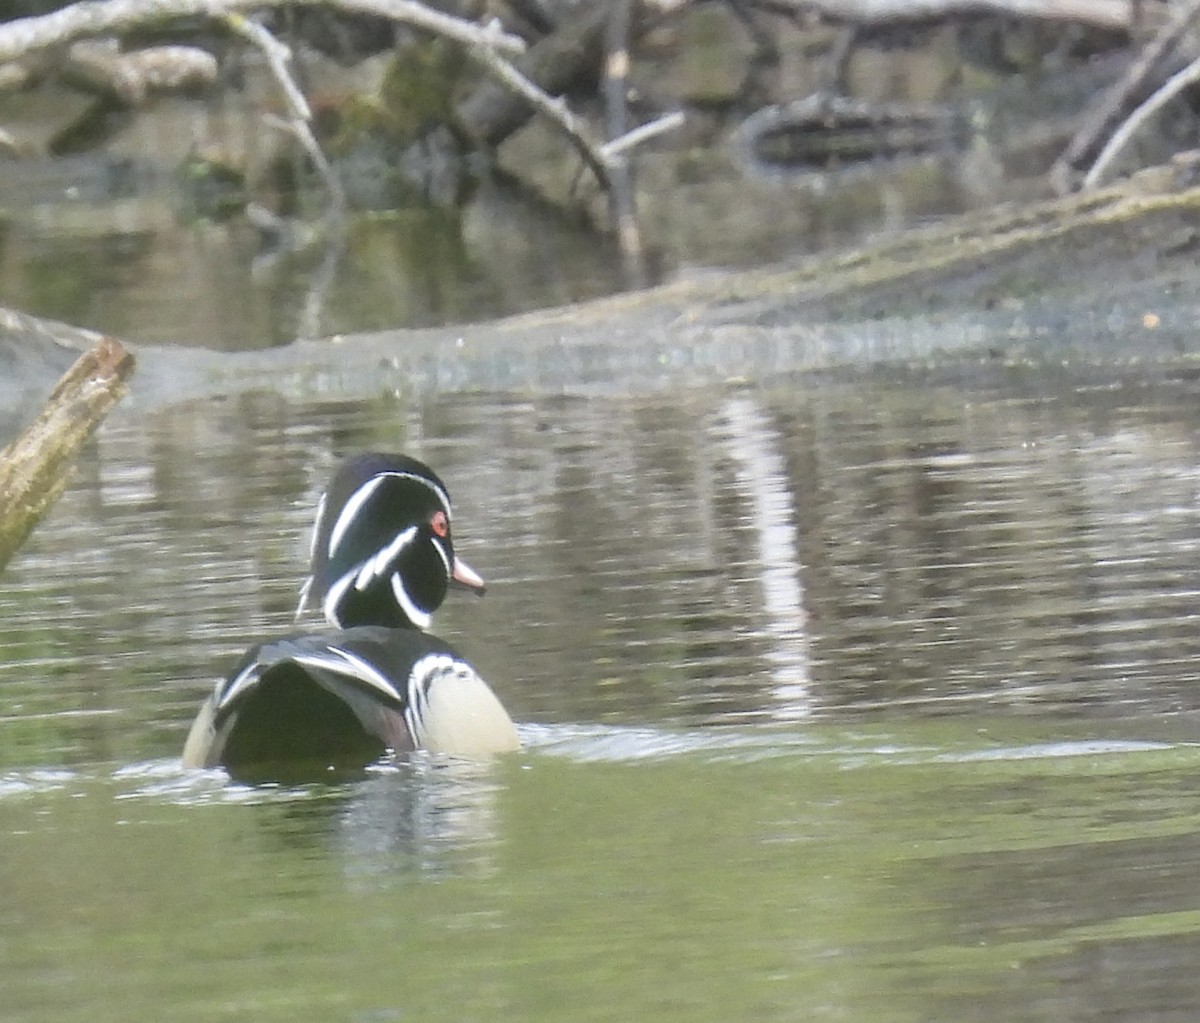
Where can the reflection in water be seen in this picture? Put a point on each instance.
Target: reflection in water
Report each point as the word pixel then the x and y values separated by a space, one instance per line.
pixel 939 871
pixel 754 446
pixel 650 560
pixel 426 816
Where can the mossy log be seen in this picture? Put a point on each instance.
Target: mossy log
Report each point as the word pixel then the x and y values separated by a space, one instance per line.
pixel 33 468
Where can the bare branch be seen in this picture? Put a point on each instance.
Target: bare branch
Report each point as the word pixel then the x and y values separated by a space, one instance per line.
pixel 100 66
pixel 601 158
pixel 644 133
pixel 553 108
pixel 33 468
pixel 489 34
pixel 622 199
pixel 1112 14
pixel 278 56
pixel 1120 139
pixel 103 17
pixel 298 124
pixel 1116 100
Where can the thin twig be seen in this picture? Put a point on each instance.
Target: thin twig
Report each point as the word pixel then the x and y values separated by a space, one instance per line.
pixel 1112 14
pixel 1170 89
pixel 599 157
pixel 553 108
pixel 302 133
pixel 491 33
pixel 1087 139
pixel 278 55
pixel 104 17
pixel 309 325
pixel 298 124
pixel 643 133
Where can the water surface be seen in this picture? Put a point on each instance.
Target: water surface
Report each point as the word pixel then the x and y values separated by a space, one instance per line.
pixel 850 698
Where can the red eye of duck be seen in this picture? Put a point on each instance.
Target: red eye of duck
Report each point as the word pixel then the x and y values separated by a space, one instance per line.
pixel 439 524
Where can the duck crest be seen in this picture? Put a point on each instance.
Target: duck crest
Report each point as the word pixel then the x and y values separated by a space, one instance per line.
pixel 382 551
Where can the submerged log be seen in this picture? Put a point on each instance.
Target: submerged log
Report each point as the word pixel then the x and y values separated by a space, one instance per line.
pixel 33 468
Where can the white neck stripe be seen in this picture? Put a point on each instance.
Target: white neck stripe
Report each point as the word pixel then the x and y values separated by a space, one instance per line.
pixel 333 597
pixel 421 619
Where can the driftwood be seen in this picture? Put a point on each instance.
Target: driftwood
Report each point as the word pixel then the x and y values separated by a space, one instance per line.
pixel 103 17
pixel 1112 14
pixel 33 468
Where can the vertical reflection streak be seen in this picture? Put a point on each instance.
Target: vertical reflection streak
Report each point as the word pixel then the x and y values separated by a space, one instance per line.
pixel 754 445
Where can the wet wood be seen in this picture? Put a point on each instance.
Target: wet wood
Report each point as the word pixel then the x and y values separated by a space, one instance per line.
pixel 33 468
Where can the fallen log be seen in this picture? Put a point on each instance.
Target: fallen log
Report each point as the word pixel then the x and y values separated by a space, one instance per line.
pixel 33 468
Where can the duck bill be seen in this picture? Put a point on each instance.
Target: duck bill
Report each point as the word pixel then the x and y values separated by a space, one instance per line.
pixel 464 577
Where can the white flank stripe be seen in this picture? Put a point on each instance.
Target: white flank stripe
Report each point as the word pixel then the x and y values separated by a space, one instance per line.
pixel 419 680
pixel 428 670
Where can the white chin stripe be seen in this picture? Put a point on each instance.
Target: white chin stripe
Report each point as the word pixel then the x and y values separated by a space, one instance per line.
pixel 375 567
pixel 421 619
pixel 440 548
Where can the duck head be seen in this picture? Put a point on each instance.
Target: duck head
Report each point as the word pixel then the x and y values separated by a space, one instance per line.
pixel 382 550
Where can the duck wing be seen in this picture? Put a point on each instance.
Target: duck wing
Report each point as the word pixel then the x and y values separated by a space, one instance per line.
pixel 345 698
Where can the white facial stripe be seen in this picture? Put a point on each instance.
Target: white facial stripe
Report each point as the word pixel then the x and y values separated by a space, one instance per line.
pixel 374 567
pixel 437 546
pixel 421 619
pixel 363 494
pixel 343 662
pixel 442 496
pixel 351 509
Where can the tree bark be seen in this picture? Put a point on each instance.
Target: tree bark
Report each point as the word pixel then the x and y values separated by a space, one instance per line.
pixel 33 468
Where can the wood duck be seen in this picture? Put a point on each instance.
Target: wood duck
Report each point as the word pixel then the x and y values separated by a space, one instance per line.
pixel 382 561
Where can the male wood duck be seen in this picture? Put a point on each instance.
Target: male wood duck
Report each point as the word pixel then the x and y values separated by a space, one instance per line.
pixel 382 561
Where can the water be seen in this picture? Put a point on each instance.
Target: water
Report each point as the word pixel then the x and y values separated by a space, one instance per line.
pixel 843 698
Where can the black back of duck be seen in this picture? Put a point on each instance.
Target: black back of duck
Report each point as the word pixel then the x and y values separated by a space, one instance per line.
pixel 306 704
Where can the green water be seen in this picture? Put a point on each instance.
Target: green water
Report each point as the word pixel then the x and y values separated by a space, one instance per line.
pixel 866 700
pixel 945 872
